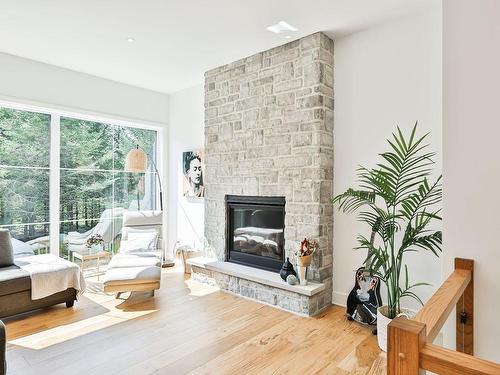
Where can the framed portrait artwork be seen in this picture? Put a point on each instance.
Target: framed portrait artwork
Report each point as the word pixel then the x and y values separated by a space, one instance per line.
pixel 193 167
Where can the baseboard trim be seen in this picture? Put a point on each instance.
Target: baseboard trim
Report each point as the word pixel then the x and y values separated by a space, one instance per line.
pixel 339 298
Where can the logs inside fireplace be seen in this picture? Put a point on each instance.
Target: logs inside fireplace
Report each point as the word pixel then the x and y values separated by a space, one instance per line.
pixel 255 231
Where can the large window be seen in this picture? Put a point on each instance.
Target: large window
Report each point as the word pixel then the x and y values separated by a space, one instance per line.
pixel 85 168
pixel 24 174
pixel 95 189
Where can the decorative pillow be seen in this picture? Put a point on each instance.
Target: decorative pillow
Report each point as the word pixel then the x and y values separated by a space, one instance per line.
pixel 6 253
pixel 139 242
pixel 21 249
pixel 143 229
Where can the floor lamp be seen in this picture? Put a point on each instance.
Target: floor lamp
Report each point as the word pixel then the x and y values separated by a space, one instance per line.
pixel 136 161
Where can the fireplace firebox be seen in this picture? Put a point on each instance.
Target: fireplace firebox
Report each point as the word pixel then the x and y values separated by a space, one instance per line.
pixel 255 234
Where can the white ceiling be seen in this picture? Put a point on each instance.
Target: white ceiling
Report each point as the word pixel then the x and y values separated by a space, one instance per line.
pixel 176 40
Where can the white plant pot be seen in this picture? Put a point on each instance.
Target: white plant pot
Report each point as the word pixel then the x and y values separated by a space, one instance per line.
pixel 383 321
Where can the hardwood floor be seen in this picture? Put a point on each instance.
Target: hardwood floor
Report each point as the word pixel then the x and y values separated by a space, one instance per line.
pixel 187 328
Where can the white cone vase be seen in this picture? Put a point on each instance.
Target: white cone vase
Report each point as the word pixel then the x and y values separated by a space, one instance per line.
pixel 302 274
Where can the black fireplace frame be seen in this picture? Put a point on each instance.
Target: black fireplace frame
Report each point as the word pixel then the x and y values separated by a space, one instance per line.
pixel 252 260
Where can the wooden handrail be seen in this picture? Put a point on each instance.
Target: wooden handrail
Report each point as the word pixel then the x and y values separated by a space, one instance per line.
pixel 445 361
pixel 438 308
pixel 410 348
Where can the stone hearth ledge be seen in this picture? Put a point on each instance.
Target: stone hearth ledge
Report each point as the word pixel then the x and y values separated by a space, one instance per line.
pixel 255 274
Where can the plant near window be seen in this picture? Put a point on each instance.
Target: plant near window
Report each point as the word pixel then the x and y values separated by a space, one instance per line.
pixel 95 240
pixel 398 204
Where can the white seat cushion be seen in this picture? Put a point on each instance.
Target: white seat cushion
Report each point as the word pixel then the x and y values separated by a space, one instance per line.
pixel 132 275
pixel 133 269
pixel 133 260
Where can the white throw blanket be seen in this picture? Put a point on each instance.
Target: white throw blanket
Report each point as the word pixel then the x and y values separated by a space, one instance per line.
pixel 51 274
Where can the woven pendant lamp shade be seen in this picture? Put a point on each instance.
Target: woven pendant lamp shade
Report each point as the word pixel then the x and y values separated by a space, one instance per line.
pixel 136 161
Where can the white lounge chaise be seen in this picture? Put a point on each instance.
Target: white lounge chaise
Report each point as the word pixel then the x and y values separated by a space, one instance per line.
pixel 137 266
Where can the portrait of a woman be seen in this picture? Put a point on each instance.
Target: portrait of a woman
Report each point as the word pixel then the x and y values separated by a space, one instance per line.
pixel 192 162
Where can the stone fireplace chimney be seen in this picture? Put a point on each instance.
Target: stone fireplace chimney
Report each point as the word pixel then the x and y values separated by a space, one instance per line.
pixel 269 132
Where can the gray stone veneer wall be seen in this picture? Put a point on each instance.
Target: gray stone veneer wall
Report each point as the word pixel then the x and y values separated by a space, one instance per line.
pixel 269 132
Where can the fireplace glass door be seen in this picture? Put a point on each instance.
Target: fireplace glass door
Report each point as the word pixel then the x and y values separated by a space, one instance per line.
pixel 256 231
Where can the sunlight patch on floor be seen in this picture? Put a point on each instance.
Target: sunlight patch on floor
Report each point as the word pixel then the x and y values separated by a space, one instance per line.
pixel 199 290
pixel 70 331
pixel 117 311
pixel 106 309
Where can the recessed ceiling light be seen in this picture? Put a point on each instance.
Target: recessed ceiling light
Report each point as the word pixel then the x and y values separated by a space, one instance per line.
pixel 130 39
pixel 281 27
pixel 288 37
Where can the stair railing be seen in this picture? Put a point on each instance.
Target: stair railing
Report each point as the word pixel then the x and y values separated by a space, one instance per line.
pixel 410 350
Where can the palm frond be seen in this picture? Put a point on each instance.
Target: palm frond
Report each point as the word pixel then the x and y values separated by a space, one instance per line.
pixel 382 222
pixel 351 200
pixel 410 294
pixel 425 196
pixel 382 184
pixel 431 242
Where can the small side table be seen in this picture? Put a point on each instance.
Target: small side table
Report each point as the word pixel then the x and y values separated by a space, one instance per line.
pixel 89 254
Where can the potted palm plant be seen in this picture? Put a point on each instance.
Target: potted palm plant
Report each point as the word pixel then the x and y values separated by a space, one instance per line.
pixel 399 205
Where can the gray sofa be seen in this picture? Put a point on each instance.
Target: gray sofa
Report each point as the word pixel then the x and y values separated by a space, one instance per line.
pixel 15 283
pixel 3 344
pixel 15 293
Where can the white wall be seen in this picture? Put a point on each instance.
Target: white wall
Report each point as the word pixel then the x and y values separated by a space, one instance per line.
pixel 32 82
pixel 186 133
pixel 471 158
pixel 384 76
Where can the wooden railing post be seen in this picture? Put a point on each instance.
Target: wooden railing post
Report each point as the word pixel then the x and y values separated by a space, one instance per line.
pixel 405 340
pixel 465 311
pixel 409 345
